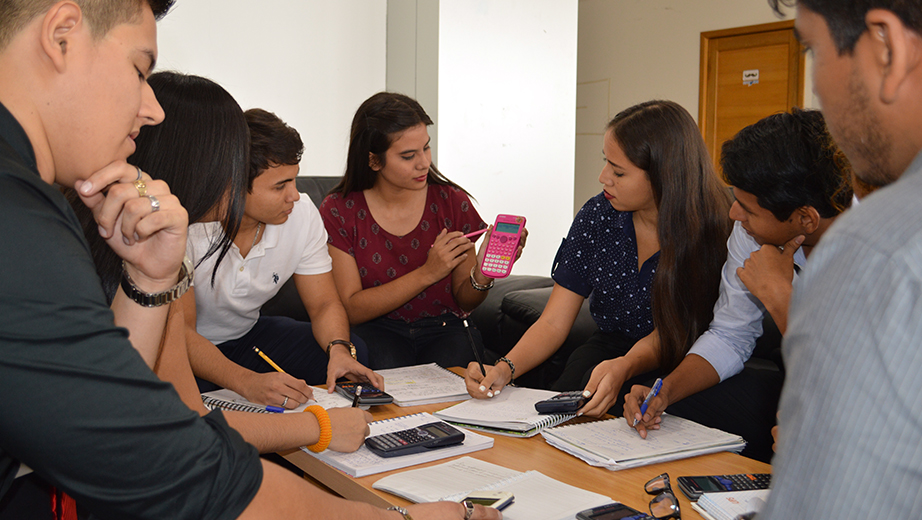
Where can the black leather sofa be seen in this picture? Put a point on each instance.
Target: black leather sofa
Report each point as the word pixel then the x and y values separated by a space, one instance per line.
pixel 511 307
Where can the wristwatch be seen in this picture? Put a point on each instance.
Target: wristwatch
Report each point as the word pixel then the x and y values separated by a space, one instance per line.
pixel 401 510
pixel 347 344
pixel 146 299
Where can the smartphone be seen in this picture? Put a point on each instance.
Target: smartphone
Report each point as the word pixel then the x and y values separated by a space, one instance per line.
pixel 495 499
pixel 564 402
pixel 503 244
pixel 370 395
pixel 414 440
pixel 694 487
pixel 614 511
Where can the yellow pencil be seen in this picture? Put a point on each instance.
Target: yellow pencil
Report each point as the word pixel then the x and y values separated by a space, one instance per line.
pixel 264 356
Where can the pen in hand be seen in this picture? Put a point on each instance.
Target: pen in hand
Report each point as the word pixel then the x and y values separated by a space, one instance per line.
pixel 657 385
pixel 265 357
pixel 470 338
pixel 358 393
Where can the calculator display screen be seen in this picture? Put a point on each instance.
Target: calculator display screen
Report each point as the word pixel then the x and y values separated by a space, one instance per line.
pixel 505 227
pixel 436 432
pixel 707 484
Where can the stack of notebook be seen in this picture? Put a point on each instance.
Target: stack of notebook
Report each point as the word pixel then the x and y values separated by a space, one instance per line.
pixel 511 413
pixel 613 444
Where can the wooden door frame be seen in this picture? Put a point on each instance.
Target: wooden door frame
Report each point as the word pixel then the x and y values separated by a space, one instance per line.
pixel 707 77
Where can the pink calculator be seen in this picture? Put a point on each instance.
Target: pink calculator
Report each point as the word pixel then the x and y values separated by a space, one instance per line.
pixel 504 241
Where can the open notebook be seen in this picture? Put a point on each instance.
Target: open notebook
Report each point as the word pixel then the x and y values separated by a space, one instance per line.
pixel 614 445
pixel 537 496
pixel 363 462
pixel 510 413
pixel 423 384
pixel 230 400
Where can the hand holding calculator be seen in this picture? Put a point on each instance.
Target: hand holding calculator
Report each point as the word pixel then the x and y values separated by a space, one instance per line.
pixel 564 402
pixel 503 246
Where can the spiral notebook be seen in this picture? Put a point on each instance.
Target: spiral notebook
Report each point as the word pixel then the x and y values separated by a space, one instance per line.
pixel 537 496
pixel 510 413
pixel 230 400
pixel 363 462
pixel 613 444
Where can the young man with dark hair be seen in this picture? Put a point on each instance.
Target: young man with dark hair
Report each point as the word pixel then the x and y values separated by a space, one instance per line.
pixel 80 405
pixel 790 183
pixel 850 443
pixel 280 237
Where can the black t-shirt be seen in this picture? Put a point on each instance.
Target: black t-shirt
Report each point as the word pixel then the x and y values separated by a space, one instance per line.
pixel 77 402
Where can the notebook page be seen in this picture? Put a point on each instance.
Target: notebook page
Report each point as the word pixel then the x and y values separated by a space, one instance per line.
pixel 452 478
pixel 539 497
pixel 514 406
pixel 615 440
pixel 423 383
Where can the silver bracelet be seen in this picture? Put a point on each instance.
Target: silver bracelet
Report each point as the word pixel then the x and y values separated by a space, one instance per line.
pixel 403 511
pixel 477 286
pixel 511 367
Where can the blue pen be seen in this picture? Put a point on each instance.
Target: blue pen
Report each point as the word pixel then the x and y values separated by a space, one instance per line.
pixel 653 393
pixel 276 409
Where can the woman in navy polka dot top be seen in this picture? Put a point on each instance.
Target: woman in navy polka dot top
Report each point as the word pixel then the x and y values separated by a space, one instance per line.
pixel 647 252
pixel 405 273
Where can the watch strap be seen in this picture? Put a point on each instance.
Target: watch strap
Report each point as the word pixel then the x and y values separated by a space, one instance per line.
pixel 347 344
pixel 146 299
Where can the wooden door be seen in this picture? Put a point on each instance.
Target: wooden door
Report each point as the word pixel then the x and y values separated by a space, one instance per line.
pixel 747 73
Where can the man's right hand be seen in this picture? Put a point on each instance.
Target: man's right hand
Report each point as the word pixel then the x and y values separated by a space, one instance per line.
pixel 350 427
pixel 272 388
pixel 652 418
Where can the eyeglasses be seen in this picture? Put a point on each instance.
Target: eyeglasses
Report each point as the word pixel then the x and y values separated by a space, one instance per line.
pixel 664 504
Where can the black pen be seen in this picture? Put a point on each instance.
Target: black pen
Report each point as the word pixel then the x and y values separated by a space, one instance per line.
pixel 358 392
pixel 470 338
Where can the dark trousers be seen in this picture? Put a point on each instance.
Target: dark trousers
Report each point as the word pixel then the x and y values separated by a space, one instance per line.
pixel 290 343
pixel 599 347
pixel 744 404
pixel 440 339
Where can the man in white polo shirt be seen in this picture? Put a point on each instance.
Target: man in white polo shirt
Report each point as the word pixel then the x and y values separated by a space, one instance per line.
pixel 280 237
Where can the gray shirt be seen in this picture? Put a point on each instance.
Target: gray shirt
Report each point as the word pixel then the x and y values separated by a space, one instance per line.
pixel 851 409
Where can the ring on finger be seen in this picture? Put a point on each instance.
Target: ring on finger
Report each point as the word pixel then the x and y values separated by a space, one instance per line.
pixel 141 186
pixel 154 204
pixel 285 401
pixel 139 173
pixel 468 509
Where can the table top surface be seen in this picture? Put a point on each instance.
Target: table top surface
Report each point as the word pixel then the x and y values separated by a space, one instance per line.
pixel 534 453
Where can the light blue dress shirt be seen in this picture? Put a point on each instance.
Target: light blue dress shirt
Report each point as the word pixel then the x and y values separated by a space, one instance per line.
pixel 731 337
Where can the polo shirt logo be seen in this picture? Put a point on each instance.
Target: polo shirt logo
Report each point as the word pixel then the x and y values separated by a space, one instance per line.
pixel 275 278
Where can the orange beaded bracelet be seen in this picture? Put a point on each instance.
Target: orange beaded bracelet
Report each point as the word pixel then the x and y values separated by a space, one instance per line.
pixel 326 430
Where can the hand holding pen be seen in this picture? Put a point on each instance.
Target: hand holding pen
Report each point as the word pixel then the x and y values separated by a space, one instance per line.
pixel 635 410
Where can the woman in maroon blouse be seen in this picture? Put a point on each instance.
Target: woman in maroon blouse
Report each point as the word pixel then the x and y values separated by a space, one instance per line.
pixel 406 274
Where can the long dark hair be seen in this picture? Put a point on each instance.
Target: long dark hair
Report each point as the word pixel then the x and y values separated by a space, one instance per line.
pixel 375 125
pixel 661 138
pixel 200 150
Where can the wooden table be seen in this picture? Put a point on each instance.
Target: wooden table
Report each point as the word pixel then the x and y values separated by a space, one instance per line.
pixel 534 454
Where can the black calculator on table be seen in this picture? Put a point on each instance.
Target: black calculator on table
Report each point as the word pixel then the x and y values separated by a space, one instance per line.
pixel 564 402
pixel 414 440
pixel 694 487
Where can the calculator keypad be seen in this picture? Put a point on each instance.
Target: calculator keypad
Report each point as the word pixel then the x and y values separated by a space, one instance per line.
pixel 745 481
pixel 500 254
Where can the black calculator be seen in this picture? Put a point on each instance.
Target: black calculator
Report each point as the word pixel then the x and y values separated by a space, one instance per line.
pixel 693 487
pixel 564 402
pixel 414 440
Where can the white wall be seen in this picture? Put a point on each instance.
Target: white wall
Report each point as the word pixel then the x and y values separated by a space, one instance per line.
pixel 310 62
pixel 506 122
